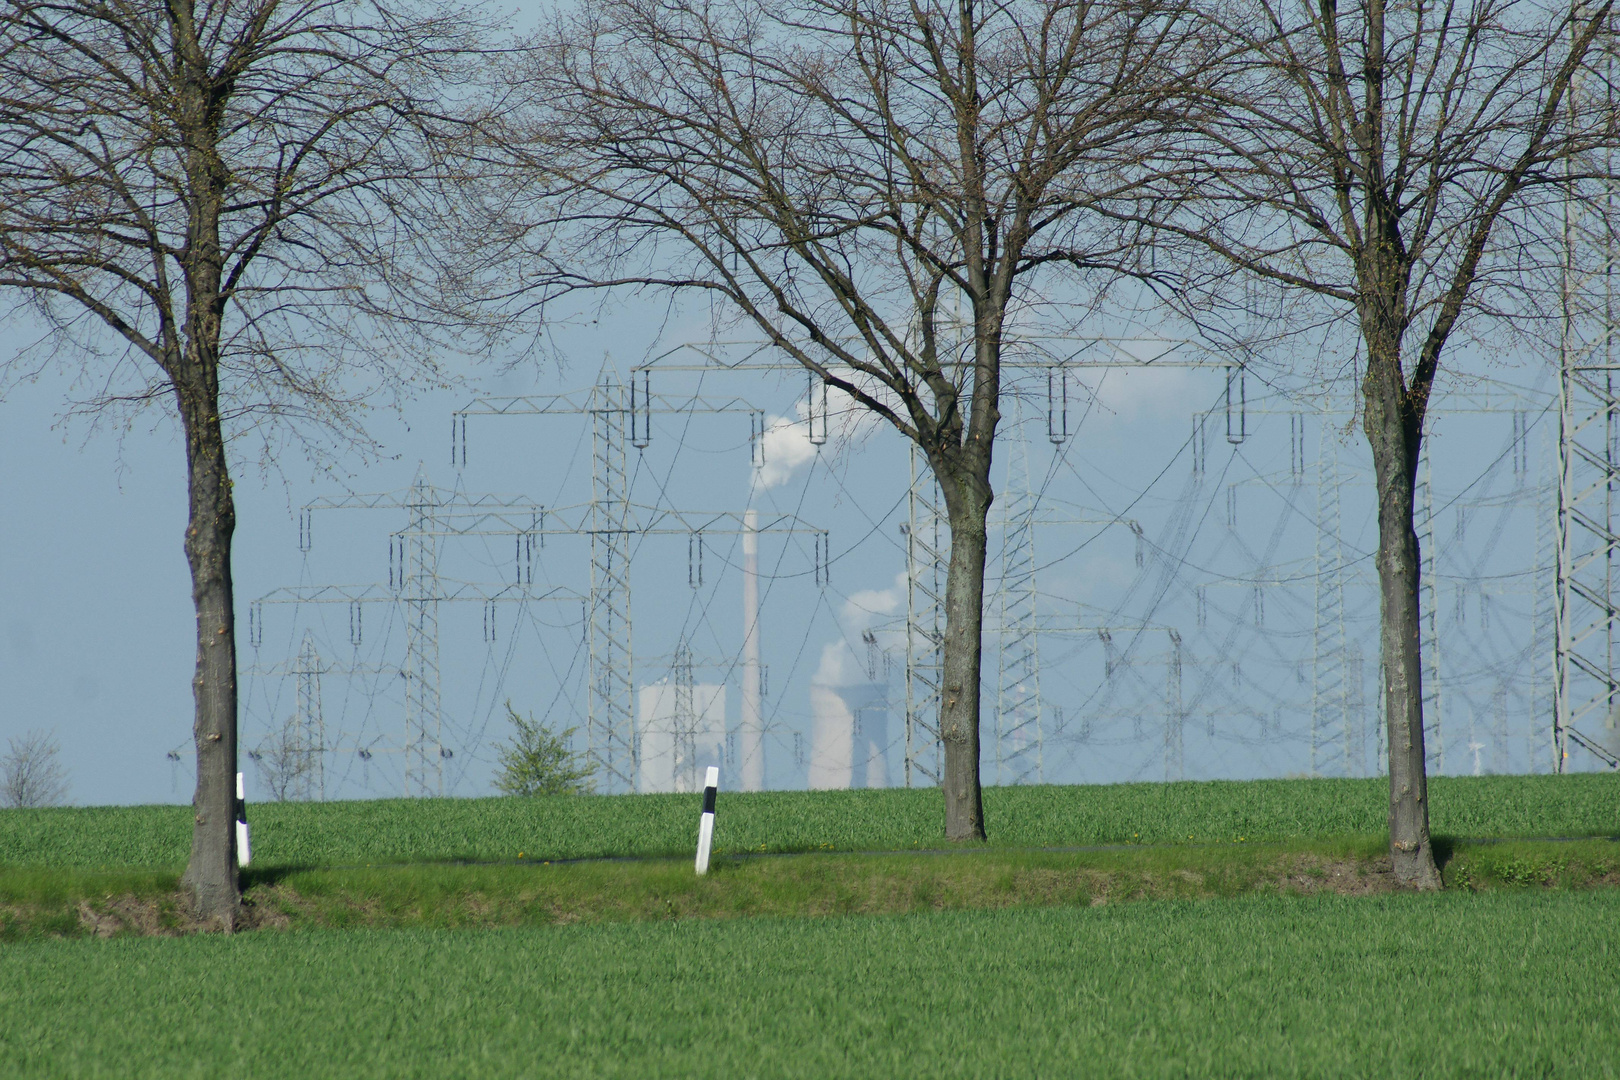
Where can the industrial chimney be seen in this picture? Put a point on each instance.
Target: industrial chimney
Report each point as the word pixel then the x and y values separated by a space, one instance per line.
pixel 751 725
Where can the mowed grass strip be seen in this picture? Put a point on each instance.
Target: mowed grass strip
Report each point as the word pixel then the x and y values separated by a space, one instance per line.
pixel 396 830
pixel 1456 984
pixel 35 903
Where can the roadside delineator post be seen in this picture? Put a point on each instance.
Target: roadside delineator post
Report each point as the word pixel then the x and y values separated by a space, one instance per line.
pixel 242 852
pixel 711 782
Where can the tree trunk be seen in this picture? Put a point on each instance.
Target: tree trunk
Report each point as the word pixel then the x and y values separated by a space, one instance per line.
pixel 967 502
pixel 1395 433
pixel 210 882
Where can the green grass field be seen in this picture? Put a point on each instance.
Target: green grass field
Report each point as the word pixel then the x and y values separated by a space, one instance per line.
pixel 1515 983
pixel 420 944
pixel 43 903
pixel 498 829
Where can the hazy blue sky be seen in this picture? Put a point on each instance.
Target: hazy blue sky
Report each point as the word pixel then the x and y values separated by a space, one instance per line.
pixel 1138 549
pixel 98 627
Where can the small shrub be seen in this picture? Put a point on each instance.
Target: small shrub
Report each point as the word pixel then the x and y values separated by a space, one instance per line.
pixel 1528 871
pixel 1460 875
pixel 538 761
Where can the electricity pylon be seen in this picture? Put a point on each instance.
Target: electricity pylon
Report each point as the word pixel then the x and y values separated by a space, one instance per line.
pixel 621 417
pixel 1586 691
pixel 432 514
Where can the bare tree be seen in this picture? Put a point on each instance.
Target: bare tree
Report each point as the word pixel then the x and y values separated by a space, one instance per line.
pixel 1401 167
pixel 285 761
pixel 31 772
pixel 239 196
pixel 847 176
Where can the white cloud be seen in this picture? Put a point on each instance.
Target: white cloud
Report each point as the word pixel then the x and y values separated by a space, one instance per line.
pixel 787 439
pixel 787 447
pixel 861 612
pixel 868 606
pixel 837 667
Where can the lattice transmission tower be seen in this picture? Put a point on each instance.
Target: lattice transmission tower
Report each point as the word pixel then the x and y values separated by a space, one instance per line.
pixel 1019 734
pixel 1334 689
pixel 927 552
pixel 416 586
pixel 1586 691
pixel 309 725
pixel 621 417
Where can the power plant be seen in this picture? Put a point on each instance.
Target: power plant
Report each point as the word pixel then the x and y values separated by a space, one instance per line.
pixel 1224 623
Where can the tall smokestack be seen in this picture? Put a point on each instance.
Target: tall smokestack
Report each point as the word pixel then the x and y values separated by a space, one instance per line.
pixel 751 726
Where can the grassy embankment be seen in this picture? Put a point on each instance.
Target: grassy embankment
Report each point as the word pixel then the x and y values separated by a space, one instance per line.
pixel 499 829
pixel 1498 984
pixel 483 862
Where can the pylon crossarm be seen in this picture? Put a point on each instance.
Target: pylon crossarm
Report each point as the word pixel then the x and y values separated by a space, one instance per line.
pixel 1019 352
pixel 588 401
pixel 380 594
pixel 442 501
pixel 663 520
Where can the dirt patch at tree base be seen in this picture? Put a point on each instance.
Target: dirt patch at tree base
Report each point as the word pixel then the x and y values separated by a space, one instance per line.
pixel 161 916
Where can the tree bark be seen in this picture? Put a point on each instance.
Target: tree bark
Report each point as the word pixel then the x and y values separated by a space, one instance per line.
pixel 1394 429
pixel 210 882
pixel 967 503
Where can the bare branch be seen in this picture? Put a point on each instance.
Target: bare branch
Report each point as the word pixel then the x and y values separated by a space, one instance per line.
pixel 31 772
pixel 880 187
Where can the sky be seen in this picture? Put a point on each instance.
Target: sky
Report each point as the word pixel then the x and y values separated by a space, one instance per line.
pixel 97 627
pixel 1174 537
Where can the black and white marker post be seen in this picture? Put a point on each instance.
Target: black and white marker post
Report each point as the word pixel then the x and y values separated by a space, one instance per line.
pixel 711 782
pixel 242 852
